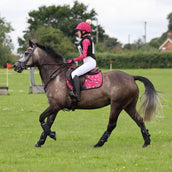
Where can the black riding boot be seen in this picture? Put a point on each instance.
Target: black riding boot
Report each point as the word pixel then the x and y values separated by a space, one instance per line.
pixel 75 94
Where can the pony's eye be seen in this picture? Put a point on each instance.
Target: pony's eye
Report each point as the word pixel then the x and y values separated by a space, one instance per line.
pixel 26 53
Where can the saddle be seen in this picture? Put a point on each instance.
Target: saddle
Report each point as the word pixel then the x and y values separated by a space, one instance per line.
pixel 92 79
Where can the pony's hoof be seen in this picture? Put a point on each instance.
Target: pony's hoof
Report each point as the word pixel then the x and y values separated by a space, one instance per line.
pixel 37 145
pixel 53 135
pixel 98 145
pixel 145 145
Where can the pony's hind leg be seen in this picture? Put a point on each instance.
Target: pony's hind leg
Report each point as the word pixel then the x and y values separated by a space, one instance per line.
pixel 131 110
pixel 115 111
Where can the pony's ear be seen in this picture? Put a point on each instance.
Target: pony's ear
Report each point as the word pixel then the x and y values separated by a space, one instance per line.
pixel 31 44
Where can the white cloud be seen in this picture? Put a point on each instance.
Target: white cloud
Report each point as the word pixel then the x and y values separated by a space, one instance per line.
pixel 119 18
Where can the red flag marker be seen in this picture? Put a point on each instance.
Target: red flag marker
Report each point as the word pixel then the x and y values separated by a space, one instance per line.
pixel 111 65
pixel 9 66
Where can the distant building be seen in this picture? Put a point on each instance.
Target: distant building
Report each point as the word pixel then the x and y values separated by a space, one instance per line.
pixel 167 45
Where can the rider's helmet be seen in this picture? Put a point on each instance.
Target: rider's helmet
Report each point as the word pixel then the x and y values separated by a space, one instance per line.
pixel 84 26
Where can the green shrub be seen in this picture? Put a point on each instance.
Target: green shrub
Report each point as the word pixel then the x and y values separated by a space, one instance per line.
pixel 132 59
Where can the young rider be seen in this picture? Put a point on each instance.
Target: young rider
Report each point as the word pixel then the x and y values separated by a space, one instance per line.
pixel 87 56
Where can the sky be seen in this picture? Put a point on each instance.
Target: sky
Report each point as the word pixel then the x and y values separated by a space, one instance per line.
pixel 122 19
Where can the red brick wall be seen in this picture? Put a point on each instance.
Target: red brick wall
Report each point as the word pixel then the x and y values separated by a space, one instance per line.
pixel 168 46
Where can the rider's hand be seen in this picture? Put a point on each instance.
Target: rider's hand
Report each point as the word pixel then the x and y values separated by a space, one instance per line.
pixel 70 61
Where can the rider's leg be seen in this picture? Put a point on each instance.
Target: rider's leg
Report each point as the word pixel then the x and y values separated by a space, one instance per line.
pixel 75 94
pixel 89 64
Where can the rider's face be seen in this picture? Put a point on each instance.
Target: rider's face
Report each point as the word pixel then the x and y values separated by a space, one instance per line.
pixel 79 33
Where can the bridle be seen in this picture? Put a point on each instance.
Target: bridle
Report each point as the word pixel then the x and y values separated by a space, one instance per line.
pixel 30 54
pixel 62 66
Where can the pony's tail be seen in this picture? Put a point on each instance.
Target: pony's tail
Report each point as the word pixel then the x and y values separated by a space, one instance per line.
pixel 150 99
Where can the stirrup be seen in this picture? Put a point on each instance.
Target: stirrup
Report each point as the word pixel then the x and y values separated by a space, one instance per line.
pixel 74 97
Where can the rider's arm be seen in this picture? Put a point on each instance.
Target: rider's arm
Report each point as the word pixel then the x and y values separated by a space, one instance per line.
pixel 85 44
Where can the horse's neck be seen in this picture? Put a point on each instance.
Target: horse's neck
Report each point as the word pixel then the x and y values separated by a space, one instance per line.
pixel 46 71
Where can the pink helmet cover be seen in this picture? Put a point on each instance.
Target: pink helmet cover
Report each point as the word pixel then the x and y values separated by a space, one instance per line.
pixel 84 26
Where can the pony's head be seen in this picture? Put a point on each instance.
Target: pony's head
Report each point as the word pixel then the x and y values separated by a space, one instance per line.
pixel 26 59
pixel 37 55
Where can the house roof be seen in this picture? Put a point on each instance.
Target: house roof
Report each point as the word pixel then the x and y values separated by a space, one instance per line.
pixel 168 40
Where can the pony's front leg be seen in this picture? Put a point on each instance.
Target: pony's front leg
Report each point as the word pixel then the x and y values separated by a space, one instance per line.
pixel 41 140
pixel 43 137
pixel 50 113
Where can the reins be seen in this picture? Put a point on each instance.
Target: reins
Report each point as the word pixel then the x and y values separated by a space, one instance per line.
pixel 61 67
pixel 54 74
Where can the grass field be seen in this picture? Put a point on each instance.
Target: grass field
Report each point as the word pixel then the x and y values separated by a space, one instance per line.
pixel 78 131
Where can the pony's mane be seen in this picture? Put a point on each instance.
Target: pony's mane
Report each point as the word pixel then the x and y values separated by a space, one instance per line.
pixel 53 54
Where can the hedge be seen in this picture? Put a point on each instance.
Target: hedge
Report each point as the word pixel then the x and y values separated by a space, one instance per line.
pixel 132 60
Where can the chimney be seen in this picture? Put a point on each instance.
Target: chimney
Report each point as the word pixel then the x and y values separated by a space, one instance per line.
pixel 169 35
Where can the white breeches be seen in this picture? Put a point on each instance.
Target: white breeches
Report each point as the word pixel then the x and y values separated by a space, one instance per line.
pixel 88 64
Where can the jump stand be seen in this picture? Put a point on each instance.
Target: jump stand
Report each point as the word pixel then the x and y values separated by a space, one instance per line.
pixel 34 89
pixel 3 90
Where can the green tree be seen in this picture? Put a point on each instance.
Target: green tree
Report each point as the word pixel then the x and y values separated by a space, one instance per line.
pixel 108 44
pixel 169 17
pixel 5 28
pixel 47 35
pixel 156 42
pixel 54 38
pixel 5 42
pixel 139 43
pixel 64 18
